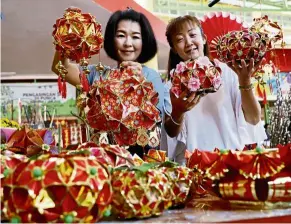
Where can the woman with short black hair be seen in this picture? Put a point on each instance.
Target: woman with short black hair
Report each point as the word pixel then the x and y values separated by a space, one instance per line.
pixel 149 43
pixel 129 39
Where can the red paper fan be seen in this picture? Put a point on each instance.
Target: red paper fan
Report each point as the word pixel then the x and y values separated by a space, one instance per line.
pixel 217 24
pixel 257 165
pixel 201 160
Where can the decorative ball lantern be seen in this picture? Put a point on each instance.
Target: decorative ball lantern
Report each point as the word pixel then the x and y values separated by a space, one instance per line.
pixel 139 193
pixel 124 106
pixel 65 188
pixel 200 75
pixel 77 36
pixel 238 45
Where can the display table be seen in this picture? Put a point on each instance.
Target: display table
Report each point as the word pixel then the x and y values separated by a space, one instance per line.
pixel 212 209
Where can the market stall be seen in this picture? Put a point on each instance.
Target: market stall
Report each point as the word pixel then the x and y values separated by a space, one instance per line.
pixel 58 169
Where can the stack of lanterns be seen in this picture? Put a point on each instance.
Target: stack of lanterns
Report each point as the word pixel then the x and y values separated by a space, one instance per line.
pixel 83 185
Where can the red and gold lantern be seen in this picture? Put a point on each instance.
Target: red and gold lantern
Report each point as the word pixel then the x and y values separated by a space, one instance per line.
pixel 77 36
pixel 28 141
pixel 238 45
pixel 248 43
pixel 123 106
pixel 268 30
pixel 139 194
pixel 181 179
pixel 200 75
pixel 258 175
pixel 63 188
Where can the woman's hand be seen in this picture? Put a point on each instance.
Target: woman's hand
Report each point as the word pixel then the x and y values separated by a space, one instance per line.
pixel 250 105
pixel 180 105
pixel 245 72
pixel 183 103
pixel 135 66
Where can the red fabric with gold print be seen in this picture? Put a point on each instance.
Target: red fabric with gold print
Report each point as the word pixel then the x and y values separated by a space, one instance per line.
pixel 62 188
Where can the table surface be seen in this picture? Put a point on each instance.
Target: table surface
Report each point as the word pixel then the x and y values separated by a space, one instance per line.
pixel 212 209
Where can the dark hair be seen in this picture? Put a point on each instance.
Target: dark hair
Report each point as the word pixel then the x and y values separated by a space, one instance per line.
pixel 149 43
pixel 173 27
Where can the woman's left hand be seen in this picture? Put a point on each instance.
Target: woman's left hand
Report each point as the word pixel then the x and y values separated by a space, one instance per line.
pixel 135 66
pixel 245 72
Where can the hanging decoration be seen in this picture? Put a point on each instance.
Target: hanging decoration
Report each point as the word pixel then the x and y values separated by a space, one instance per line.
pixel 77 36
pixel 268 30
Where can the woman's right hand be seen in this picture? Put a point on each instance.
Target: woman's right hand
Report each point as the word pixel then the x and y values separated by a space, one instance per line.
pixel 72 76
pixel 185 102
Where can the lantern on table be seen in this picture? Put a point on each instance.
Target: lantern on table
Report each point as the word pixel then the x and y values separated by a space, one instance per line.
pixel 140 192
pixel 259 177
pixel 64 188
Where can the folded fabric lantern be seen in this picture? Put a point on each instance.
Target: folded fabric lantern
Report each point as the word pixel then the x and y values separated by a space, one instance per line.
pixel 268 30
pixel 124 106
pixel 67 188
pixel 113 156
pixel 255 176
pixel 77 36
pixel 238 45
pixel 200 75
pixel 248 43
pixel 29 142
pixel 140 194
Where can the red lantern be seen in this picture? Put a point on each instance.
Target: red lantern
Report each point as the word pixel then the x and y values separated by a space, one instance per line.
pixel 123 106
pixel 59 189
pixel 200 75
pixel 77 36
pixel 140 194
pixel 238 45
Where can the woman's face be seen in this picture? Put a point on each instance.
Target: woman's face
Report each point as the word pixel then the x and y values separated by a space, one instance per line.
pixel 128 40
pixel 188 43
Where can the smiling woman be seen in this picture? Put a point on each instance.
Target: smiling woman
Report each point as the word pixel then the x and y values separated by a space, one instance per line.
pixel 134 36
pixel 129 39
pixel 228 118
